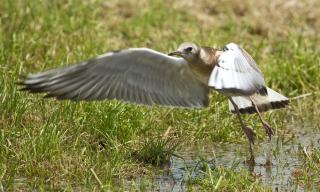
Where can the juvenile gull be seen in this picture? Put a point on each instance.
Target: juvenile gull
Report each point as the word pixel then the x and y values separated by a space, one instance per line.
pixel 145 76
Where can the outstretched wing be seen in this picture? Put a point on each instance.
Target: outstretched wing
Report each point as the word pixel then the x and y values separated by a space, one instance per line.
pixel 138 75
pixel 236 73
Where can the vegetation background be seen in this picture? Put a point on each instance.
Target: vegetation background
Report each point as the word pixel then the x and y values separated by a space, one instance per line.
pixel 54 145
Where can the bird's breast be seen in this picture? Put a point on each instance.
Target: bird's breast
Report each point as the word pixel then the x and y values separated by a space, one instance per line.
pixel 201 71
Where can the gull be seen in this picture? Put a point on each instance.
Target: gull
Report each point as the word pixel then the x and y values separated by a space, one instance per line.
pixel 182 78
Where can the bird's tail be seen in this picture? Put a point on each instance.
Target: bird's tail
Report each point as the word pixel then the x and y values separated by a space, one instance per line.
pixel 272 100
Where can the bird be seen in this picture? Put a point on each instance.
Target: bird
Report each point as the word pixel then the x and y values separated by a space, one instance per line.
pixel 182 78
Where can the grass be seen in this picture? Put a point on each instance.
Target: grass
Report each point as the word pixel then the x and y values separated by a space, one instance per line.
pixel 51 145
pixel 226 179
pixel 308 174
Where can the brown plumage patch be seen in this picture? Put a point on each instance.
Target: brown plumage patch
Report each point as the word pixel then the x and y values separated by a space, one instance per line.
pixel 202 68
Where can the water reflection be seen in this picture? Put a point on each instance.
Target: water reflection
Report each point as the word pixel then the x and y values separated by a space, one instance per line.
pixel 279 176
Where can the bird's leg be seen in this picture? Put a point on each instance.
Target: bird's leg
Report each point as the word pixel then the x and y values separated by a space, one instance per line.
pixel 269 132
pixel 247 130
pixel 265 125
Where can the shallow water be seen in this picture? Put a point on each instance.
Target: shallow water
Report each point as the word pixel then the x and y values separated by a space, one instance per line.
pixel 280 176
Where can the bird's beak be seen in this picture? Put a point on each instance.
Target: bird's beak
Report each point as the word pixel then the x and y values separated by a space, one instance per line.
pixel 175 53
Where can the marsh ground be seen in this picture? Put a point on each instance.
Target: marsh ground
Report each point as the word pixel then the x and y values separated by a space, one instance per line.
pixel 54 145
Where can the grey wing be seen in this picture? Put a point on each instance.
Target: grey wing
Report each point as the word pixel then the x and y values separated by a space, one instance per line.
pixel 236 73
pixel 138 75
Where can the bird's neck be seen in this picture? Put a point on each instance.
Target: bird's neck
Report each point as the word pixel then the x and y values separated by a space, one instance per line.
pixel 204 64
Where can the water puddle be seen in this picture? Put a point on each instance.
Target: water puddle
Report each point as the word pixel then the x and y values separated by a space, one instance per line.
pixel 280 176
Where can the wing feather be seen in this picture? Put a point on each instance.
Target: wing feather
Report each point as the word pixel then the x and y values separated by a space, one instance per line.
pixel 137 75
pixel 236 73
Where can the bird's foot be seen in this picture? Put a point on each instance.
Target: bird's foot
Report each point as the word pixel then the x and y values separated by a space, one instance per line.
pixel 268 129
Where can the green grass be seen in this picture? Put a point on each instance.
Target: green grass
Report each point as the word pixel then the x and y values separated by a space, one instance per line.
pixel 308 174
pixel 225 179
pixel 54 145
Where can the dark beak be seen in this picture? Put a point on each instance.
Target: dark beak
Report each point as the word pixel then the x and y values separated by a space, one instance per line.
pixel 175 53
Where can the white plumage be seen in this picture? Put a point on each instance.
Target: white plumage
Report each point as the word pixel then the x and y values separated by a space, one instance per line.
pixel 237 76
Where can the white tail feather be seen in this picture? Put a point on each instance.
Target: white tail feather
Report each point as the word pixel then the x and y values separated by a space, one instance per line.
pixel 273 100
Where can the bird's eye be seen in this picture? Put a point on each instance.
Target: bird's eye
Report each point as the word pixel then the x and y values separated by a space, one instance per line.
pixel 225 48
pixel 188 49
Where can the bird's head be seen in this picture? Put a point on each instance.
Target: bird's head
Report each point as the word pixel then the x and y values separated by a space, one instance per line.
pixel 188 51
